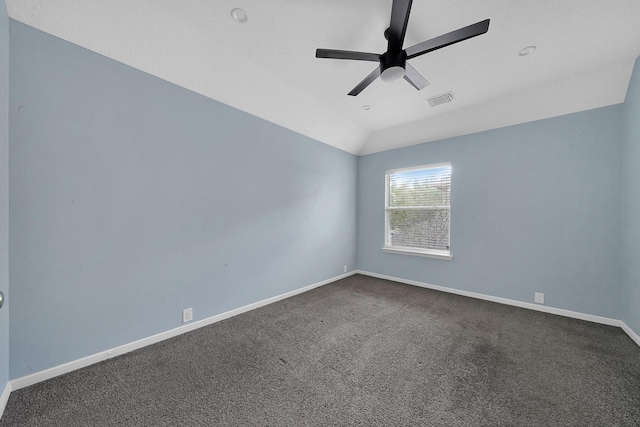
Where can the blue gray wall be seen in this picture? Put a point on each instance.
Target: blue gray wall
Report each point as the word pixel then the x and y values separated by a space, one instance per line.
pixel 4 194
pixel 535 208
pixel 132 199
pixel 631 202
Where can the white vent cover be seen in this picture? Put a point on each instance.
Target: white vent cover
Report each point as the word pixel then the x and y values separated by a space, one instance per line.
pixel 441 99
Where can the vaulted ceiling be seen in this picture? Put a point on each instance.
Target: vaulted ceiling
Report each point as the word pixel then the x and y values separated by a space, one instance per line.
pixel 267 67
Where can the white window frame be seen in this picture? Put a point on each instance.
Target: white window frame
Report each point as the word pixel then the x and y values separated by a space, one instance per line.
pixel 430 253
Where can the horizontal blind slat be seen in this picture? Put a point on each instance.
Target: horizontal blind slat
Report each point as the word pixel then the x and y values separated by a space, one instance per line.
pixel 418 208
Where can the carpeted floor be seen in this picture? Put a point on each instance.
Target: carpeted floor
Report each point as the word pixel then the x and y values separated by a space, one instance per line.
pixel 358 352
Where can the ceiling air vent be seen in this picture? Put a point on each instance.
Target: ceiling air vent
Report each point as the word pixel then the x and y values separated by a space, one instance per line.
pixel 441 99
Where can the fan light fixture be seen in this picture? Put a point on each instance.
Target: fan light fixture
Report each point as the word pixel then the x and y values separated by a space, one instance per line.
pixel 392 73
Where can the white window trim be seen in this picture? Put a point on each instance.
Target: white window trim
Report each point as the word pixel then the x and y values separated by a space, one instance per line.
pixel 428 253
pixel 417 252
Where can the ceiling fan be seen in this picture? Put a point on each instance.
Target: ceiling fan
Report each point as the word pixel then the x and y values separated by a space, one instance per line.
pixel 393 63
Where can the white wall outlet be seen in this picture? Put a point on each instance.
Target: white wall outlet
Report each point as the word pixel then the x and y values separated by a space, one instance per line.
pixel 187 315
pixel 345 268
pixel 539 297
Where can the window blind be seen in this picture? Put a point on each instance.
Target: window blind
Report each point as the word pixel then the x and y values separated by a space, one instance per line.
pixel 418 208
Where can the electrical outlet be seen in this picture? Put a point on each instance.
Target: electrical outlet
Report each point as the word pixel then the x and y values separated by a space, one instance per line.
pixel 187 315
pixel 539 297
pixel 345 268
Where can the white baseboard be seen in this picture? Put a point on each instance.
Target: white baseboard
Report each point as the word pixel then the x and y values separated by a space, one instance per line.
pixel 506 301
pixel 631 333
pixel 55 371
pixel 4 398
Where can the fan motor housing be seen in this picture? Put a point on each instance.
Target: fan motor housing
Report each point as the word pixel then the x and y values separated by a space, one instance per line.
pixel 392 59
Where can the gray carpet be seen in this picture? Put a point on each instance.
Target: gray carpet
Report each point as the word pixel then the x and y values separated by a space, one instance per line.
pixel 358 352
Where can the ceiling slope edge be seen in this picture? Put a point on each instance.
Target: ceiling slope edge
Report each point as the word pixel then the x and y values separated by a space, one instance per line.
pixel 569 95
pixel 318 122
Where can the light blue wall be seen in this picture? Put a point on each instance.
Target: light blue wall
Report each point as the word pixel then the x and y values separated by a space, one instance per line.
pixel 132 198
pixel 4 194
pixel 631 201
pixel 535 208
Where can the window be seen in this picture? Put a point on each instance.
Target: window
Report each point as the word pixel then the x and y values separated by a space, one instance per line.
pixel 418 210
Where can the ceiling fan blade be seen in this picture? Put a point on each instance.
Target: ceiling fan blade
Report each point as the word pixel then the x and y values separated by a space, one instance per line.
pixel 347 54
pixel 448 39
pixel 366 82
pixel 398 26
pixel 414 77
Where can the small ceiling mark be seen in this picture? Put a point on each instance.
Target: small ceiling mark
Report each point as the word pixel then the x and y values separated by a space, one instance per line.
pixel 239 15
pixel 527 51
pixel 366 107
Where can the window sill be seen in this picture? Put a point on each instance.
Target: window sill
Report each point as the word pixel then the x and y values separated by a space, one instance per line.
pixel 416 252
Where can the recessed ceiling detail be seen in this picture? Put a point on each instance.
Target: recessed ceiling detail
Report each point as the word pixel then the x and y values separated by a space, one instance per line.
pixel 527 51
pixel 270 70
pixel 239 15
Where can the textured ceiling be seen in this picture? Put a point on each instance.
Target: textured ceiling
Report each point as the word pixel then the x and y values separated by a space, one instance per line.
pixel 267 66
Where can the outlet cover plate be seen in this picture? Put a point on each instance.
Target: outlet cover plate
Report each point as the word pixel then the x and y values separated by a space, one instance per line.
pixel 187 315
pixel 539 297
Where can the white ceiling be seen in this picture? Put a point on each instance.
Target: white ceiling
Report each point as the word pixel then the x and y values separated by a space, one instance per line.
pixel 267 67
